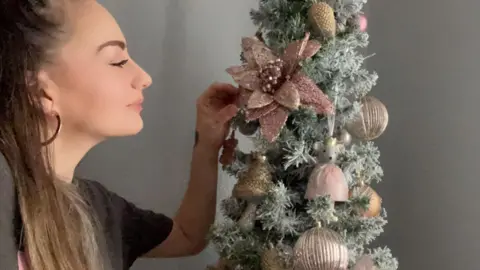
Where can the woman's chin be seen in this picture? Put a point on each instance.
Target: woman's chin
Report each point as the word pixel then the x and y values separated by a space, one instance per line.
pixel 129 128
pixel 134 129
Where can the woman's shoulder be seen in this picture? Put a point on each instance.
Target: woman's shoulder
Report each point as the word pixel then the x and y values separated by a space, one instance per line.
pixel 6 179
pixel 8 246
pixel 7 188
pixel 99 195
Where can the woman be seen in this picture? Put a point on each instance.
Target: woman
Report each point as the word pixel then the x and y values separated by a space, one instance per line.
pixel 67 83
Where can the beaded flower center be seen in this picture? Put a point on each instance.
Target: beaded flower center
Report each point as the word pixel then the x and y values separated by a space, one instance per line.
pixel 272 75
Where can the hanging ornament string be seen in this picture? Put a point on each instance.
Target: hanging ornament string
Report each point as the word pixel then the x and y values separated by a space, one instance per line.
pixel 331 120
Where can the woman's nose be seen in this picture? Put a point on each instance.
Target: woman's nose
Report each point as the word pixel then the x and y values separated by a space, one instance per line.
pixel 142 80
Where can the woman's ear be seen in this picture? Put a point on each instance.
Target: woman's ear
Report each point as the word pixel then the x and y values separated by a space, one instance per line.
pixel 49 92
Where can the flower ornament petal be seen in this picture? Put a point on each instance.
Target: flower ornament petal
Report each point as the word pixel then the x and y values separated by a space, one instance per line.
pixel 311 49
pixel 300 50
pixel 256 52
pixel 288 95
pixel 263 55
pixel 254 114
pixel 248 55
pixel 245 77
pixel 248 42
pixel 243 97
pixel 271 124
pixel 259 99
pixel 310 94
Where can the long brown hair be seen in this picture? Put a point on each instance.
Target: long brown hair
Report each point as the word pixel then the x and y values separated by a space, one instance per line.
pixel 60 232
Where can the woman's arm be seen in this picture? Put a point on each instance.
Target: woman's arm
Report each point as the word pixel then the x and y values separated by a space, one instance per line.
pixel 215 108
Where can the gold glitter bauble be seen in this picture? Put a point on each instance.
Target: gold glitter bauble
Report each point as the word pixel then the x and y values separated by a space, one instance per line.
pixel 320 249
pixel 254 184
pixel 372 120
pixel 322 19
pixel 271 260
pixel 375 205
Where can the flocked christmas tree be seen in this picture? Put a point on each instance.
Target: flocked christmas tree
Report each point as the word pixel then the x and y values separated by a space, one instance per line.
pixel 303 198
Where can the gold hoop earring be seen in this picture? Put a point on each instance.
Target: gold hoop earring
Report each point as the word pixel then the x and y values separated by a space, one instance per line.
pixel 57 130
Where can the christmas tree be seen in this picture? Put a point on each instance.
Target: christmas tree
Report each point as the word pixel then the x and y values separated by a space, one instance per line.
pixel 303 198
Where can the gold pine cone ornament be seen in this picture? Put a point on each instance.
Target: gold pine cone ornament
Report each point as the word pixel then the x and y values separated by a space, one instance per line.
pixel 322 19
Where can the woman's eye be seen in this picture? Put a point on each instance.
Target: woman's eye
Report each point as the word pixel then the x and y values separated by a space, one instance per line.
pixel 120 64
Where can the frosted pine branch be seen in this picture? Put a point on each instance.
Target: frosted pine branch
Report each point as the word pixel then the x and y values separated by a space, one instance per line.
pixel 363 159
pixel 384 259
pixel 276 212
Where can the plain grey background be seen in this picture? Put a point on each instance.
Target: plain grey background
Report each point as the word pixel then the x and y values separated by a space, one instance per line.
pixel 427 58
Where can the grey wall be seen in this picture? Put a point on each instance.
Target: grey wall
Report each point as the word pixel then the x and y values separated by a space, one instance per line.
pixel 185 45
pixel 427 59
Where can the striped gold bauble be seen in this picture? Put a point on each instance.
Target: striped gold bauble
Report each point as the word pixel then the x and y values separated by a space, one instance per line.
pixel 322 19
pixel 320 249
pixel 371 121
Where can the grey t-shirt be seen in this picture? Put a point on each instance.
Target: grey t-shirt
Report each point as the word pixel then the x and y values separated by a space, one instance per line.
pixel 130 231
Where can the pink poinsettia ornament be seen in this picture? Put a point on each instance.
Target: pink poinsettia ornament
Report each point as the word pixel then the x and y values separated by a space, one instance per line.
pixel 272 86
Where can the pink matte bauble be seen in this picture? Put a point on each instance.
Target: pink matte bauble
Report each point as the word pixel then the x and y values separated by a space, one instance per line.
pixel 365 263
pixel 363 23
pixel 327 179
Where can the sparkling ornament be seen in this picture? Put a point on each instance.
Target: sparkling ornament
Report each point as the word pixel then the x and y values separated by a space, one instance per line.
pixel 375 205
pixel 272 259
pixel 320 249
pixel 228 152
pixel 252 187
pixel 371 121
pixel 271 86
pixel 322 19
pixel 365 263
pixel 328 178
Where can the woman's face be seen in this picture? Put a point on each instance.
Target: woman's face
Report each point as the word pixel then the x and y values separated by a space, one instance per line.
pixel 92 83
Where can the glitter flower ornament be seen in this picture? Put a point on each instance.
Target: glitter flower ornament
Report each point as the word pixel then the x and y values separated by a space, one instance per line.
pixel 272 86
